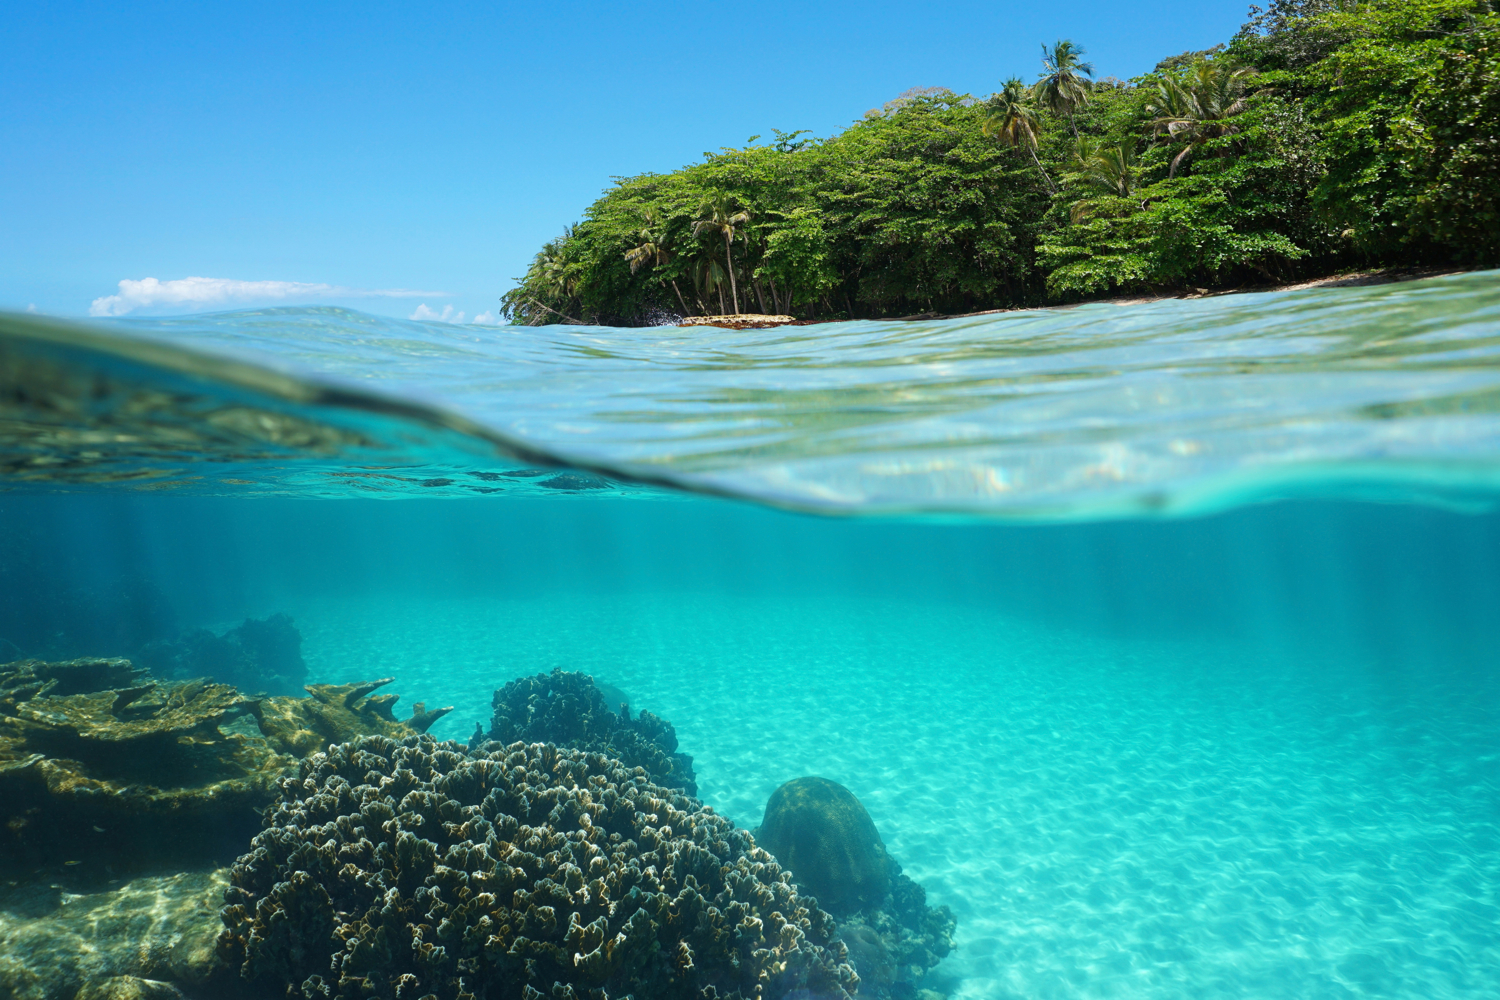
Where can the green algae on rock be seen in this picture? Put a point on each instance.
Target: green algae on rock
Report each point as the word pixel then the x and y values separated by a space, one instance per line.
pixel 146 939
pixel 104 766
pixel 572 710
pixel 824 836
pixel 414 868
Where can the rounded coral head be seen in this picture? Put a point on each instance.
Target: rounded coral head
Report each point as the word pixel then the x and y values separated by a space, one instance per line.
pixel 819 831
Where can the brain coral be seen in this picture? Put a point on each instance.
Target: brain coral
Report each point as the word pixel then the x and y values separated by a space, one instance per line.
pixel 819 830
pixel 571 710
pixel 414 869
pixel 824 836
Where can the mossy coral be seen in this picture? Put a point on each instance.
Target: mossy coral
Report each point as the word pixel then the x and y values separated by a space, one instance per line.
pixel 573 710
pixel 405 869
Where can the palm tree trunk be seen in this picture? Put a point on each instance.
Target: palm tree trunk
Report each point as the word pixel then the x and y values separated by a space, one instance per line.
pixel 760 297
pixel 729 259
pixel 1040 169
pixel 685 310
pixel 722 308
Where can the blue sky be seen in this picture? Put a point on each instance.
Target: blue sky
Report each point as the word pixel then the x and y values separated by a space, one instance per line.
pixel 426 151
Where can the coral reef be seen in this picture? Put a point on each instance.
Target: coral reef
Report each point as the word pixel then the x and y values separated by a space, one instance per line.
pixel 261 655
pixel 821 832
pixel 145 940
pixel 103 766
pixel 572 710
pixel 337 713
pixel 414 869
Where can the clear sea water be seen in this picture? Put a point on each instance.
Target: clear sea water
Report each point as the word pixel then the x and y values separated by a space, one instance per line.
pixel 1159 641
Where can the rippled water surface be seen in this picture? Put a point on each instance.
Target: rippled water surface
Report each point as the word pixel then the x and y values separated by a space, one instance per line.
pixel 1389 391
pixel 1245 750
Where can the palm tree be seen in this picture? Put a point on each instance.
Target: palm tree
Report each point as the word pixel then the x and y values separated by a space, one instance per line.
pixel 718 214
pixel 1112 170
pixel 1064 87
pixel 1194 107
pixel 708 274
pixel 1013 117
pixel 652 251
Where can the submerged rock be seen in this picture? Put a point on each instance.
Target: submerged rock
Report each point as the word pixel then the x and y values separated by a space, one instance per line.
pixel 105 769
pixel 261 655
pixel 413 868
pixel 819 830
pixel 146 940
pixel 573 710
pixel 824 836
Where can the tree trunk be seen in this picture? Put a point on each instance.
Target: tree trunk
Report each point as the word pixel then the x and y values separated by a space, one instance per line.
pixel 722 308
pixel 685 310
pixel 1040 169
pixel 760 296
pixel 776 297
pixel 729 259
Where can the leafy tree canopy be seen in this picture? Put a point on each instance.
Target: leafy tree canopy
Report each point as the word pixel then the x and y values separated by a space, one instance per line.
pixel 1325 134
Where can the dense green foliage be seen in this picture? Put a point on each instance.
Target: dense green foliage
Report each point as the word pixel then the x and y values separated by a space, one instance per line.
pixel 1326 134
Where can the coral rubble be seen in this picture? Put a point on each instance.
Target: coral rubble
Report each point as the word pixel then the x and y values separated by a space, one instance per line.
pixel 572 710
pixel 405 869
pixel 105 767
pixel 824 836
pixel 262 654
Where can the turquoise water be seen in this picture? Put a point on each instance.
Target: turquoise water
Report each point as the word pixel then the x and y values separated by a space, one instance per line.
pixel 1213 719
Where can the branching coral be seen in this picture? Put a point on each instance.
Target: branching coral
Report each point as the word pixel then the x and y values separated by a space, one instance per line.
pixel 405 869
pixel 571 710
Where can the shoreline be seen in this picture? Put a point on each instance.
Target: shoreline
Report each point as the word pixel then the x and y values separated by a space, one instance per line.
pixel 1348 279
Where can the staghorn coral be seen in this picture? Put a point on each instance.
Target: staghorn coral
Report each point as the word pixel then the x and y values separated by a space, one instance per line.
pixel 573 710
pixel 821 832
pixel 103 765
pixel 337 713
pixel 405 869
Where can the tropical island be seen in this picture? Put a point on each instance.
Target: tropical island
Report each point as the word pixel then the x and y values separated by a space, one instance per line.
pixel 1324 136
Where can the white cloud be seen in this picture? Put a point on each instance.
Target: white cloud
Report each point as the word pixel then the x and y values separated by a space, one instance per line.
pixel 31 308
pixel 214 291
pixel 448 315
pixel 486 319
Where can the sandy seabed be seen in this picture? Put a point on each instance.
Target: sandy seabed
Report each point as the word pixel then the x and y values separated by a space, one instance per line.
pixel 1106 818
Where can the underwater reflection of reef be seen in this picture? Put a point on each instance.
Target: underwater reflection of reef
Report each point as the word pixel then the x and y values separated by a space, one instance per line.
pixel 824 836
pixel 573 710
pixel 107 769
pixel 413 868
